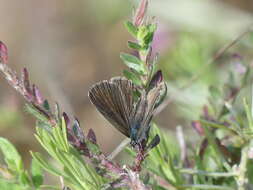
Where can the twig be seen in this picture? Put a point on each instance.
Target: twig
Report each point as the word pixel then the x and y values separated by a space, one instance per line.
pixel 202 69
pixel 205 173
pixel 242 169
pixel 181 141
pixel 62 182
pixel 118 149
pixel 202 186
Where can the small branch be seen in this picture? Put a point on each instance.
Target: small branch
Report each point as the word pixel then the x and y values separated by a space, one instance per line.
pixel 209 187
pixel 181 141
pixel 138 160
pixel 62 182
pixel 211 174
pixel 118 149
pixel 242 169
pixel 202 70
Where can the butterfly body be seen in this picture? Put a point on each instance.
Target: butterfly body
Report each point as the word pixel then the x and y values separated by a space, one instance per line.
pixel 115 100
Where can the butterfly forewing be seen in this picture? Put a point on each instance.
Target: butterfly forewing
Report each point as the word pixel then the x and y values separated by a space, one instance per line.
pixel 113 100
pixel 127 88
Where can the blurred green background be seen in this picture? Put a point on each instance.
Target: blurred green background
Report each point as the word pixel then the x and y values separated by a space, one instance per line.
pixel 69 45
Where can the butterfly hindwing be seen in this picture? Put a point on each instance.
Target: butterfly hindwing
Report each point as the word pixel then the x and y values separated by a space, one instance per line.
pixel 152 97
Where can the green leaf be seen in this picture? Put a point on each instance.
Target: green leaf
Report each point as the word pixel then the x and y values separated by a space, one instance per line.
pixel 131 76
pixel 8 185
pixel 36 171
pixel 39 114
pixel 145 34
pixel 45 165
pixel 60 138
pixel 46 140
pixel 249 114
pixel 133 30
pixel 133 63
pixel 215 92
pixel 134 45
pixel 218 156
pixel 218 126
pixel 162 158
pixel 24 179
pixel 11 156
pixel 64 133
pixel 150 34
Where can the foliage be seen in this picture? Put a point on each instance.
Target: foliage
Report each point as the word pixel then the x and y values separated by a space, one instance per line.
pixel 220 157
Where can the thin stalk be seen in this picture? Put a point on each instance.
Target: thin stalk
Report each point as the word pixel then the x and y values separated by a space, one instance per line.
pixel 242 179
pixel 118 149
pixel 208 187
pixel 211 174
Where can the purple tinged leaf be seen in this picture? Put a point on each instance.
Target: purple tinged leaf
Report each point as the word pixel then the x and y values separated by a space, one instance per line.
pixel 71 139
pixel 25 81
pixel 240 68
pixel 3 53
pixel 37 95
pixel 148 57
pixel 91 136
pixel 155 141
pixel 206 113
pixel 156 79
pixel 46 105
pixel 77 131
pixel 84 149
pixel 140 13
pixel 197 126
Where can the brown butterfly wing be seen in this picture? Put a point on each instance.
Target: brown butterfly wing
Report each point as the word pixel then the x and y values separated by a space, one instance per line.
pixel 127 88
pixel 152 97
pixel 112 100
pixel 139 111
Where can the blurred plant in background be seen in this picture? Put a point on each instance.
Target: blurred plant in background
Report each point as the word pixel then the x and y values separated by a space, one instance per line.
pixel 213 88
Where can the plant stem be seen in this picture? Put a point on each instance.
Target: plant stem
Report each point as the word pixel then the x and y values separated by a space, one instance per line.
pixel 118 149
pixel 210 187
pixel 242 169
pixel 212 174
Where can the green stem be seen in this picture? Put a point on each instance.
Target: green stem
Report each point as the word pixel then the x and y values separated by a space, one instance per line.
pixel 242 169
pixel 209 187
pixel 212 174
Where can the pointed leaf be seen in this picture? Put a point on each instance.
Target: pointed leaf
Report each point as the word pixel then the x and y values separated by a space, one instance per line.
pixel 11 156
pixel 3 53
pixel 92 137
pixel 133 77
pixel 134 45
pixel 36 171
pixel 155 141
pixel 133 63
pixel 133 30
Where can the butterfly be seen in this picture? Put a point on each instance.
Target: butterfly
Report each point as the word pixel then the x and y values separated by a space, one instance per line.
pixel 115 100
